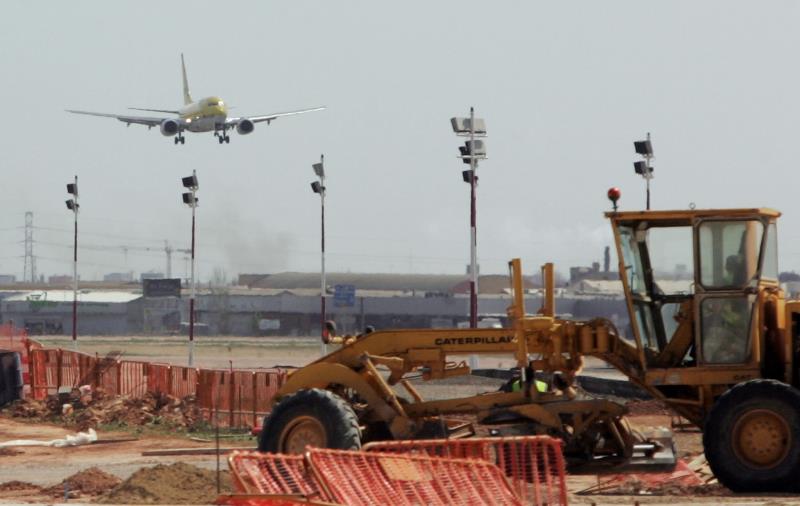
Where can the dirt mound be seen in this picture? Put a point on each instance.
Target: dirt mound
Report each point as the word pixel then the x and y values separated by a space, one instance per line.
pixel 153 408
pixel 651 407
pixel 99 409
pixel 177 483
pixel 636 487
pixel 91 482
pixel 13 486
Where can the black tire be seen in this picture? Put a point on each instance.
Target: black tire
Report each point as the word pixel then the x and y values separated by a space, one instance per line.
pixel 752 437
pixel 330 419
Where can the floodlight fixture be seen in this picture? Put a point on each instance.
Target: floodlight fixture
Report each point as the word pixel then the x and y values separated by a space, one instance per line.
pixel 641 168
pixel 71 205
pixel 463 126
pixel 190 182
pixel 644 148
pixel 72 188
pixel 189 199
pixel 317 187
pixel 319 170
pixel 472 149
pixel 468 176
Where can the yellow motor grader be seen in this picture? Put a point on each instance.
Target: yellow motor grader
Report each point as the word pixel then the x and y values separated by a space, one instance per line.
pixel 710 334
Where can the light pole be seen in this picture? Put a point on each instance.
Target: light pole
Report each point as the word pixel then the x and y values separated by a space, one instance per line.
pixel 319 188
pixel 72 205
pixel 190 199
pixel 472 151
pixel 643 168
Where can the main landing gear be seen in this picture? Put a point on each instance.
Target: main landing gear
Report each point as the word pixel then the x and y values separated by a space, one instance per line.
pixel 223 137
pixel 180 139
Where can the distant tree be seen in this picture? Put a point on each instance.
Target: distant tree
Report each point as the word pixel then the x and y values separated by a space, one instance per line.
pixel 788 276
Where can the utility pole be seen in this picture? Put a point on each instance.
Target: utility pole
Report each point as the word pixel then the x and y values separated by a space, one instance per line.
pixel 473 248
pixel 644 168
pixel 72 205
pixel 29 266
pixel 472 150
pixel 319 188
pixel 168 250
pixel 190 199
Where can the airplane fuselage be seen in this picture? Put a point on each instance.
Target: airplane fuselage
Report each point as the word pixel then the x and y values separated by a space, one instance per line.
pixel 204 115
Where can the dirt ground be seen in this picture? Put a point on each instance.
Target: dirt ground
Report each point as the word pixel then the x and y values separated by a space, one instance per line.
pixel 35 467
pixel 46 466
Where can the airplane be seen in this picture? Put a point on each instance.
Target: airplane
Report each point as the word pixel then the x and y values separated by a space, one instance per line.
pixel 205 115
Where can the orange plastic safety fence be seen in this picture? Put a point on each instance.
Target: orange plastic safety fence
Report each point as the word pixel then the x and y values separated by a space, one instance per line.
pixel 238 398
pixel 276 474
pixel 361 478
pixel 534 464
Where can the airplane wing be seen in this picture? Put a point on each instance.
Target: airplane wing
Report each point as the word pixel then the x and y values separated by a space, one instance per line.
pixel 139 120
pixel 269 117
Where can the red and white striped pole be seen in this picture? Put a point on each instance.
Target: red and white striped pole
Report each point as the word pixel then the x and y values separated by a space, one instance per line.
pixel 473 243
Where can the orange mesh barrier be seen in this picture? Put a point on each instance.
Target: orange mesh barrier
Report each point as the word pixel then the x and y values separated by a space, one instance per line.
pixel 237 398
pixel 361 478
pixel 261 500
pixel 266 473
pixel 534 464
pixel 234 398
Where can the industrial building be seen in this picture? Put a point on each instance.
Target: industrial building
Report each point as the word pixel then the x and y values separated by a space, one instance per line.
pixel 288 304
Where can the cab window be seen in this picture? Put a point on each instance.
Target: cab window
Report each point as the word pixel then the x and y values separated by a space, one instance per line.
pixel 725 326
pixel 729 253
pixel 769 266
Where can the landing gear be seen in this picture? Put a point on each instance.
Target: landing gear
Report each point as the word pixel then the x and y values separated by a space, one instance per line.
pixel 223 137
pixel 180 139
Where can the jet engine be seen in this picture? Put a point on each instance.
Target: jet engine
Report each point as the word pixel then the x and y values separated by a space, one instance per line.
pixel 169 127
pixel 245 126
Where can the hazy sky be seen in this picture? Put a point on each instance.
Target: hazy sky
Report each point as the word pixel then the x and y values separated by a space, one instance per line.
pixel 565 87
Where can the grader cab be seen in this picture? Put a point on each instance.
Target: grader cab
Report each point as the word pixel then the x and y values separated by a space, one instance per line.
pixel 714 335
pixel 710 334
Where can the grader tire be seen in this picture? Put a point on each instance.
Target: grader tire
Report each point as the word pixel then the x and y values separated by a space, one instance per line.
pixel 752 437
pixel 312 417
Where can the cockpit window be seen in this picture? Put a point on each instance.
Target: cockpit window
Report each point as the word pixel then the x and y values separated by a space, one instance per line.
pixel 213 103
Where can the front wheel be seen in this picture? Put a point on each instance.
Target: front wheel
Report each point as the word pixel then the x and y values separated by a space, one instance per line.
pixel 312 417
pixel 752 437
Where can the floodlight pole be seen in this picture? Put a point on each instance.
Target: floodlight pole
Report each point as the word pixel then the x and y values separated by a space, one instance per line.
pixel 648 176
pixel 473 245
pixel 75 271
pixel 192 280
pixel 322 251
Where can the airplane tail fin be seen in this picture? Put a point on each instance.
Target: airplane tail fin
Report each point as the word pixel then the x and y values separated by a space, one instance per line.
pixel 187 97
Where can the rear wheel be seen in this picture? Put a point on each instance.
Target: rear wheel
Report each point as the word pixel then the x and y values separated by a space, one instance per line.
pixel 312 417
pixel 752 437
